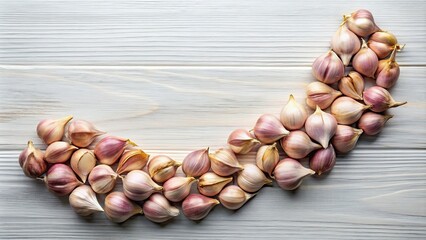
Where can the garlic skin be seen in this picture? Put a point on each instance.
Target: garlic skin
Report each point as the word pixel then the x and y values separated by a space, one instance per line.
pixel 361 22
pixel 177 188
pixel 118 208
pixel 345 138
pixel 328 68
pixel 161 168
pixel 210 184
pixel 52 130
pixel 61 180
pixel 102 179
pixel 382 43
pixel 251 179
pixel 387 72
pixel 196 206
pixel 347 111
pixel 81 133
pixel 320 94
pixel 321 127
pixel 289 173
pixel 84 202
pixel 269 129
pixel 242 141
pixel 293 115
pixel 373 123
pixel 196 163
pixel 59 152
pixel 233 197
pixel 138 186
pixel 323 160
pixel 380 99
pixel 158 209
pixel 298 145
pixel 267 158
pixel 109 149
pixel 352 85
pixel 32 161
pixel 365 61
pixel 345 43
pixel 82 162
pixel 132 160
pixel 224 162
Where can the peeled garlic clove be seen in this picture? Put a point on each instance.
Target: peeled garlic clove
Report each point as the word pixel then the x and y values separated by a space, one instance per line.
pixel 233 197
pixel 61 180
pixel 102 179
pixel 32 161
pixel 109 149
pixel 210 184
pixel 196 206
pixel 161 168
pixel 321 126
pixel 289 173
pixel 196 163
pixel 293 115
pixel 323 160
pixel 224 162
pixel 82 133
pixel 59 152
pixel 347 111
pixel 345 138
pixel 52 130
pixel 242 141
pixel 380 99
pixel 138 186
pixel 373 123
pixel 158 209
pixel 298 145
pixel 132 160
pixel 84 202
pixel 382 43
pixel 251 178
pixel 345 43
pixel 118 208
pixel 365 61
pixel 388 72
pixel 177 188
pixel 267 158
pixel 328 68
pixel 82 162
pixel 320 94
pixel 361 22
pixel 269 129
pixel 352 85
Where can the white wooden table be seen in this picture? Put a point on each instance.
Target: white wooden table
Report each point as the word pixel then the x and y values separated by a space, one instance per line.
pixel 175 76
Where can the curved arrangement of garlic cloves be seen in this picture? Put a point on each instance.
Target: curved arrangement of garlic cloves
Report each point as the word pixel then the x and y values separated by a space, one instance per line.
pixel 84 202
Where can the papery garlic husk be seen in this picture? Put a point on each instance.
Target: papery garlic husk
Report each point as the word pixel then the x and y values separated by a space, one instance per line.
pixel 84 202
pixel 242 141
pixel 32 161
pixel 233 197
pixel 345 138
pixel 210 184
pixel 81 133
pixel 323 160
pixel 347 111
pixel 52 130
pixel 269 129
pixel 365 61
pixel 59 152
pixel 321 126
pixel 345 43
pixel 352 85
pixel 388 72
pixel 251 179
pixel 289 173
pixel 177 188
pixel 138 186
pixel 224 162
pixel 320 94
pixel 380 99
pixel 382 43
pixel 293 115
pixel 361 22
pixel 196 206
pixel 298 145
pixel 158 209
pixel 373 123
pixel 102 179
pixel 267 158
pixel 328 68
pixel 82 162
pixel 61 180
pixel 132 160
pixel 161 168
pixel 118 208
pixel 109 149
pixel 196 163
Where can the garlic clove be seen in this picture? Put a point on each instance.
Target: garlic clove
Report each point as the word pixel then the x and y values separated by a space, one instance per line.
pixel 109 149
pixel 382 43
pixel 84 202
pixel 323 160
pixel 118 208
pixel 158 209
pixel 387 73
pixel 196 206
pixel 233 197
pixel 269 129
pixel 267 158
pixel 320 94
pixel 61 180
pixel 365 61
pixel 161 168
pixel 380 99
pixel 52 130
pixel 347 111
pixel 177 188
pixel 298 145
pixel 138 186
pixel 293 115
pixel 82 162
pixel 32 161
pixel 352 85
pixel 224 162
pixel 102 179
pixel 373 123
pixel 361 22
pixel 196 163
pixel 328 68
pixel 251 178
pixel 132 160
pixel 210 184
pixel 242 141
pixel 345 43
pixel 345 138
pixel 59 152
pixel 321 127
pixel 289 173
pixel 81 133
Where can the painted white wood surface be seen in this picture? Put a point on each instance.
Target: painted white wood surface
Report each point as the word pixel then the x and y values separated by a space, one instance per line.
pixel 175 76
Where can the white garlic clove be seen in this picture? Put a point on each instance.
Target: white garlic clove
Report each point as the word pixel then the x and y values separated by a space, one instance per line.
pixel 118 208
pixel 177 188
pixel 298 145
pixel 59 152
pixel 382 43
pixel 102 179
pixel 347 110
pixel 269 129
pixel 242 141
pixel 61 180
pixel 361 22
pixel 82 162
pixel 352 85
pixel 320 94
pixel 345 138
pixel 345 43
pixel 81 133
pixel 267 158
pixel 210 184
pixel 196 163
pixel 293 115
pixel 387 72
pixel 109 149
pixel 365 61
pixel 196 206
pixel 161 168
pixel 224 162
pixel 323 160
pixel 251 179
pixel 373 123
pixel 158 209
pixel 138 186
pixel 84 202
pixel 32 161
pixel 380 99
pixel 328 68
pixel 321 127
pixel 289 173
pixel 52 130
pixel 233 197
pixel 132 160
